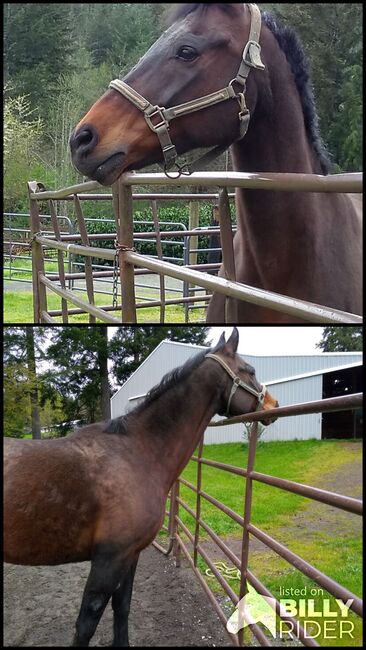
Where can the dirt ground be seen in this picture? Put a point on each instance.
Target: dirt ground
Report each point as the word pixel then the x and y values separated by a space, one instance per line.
pixel 168 605
pixel 168 609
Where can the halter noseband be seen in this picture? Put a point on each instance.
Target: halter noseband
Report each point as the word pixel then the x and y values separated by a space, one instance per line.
pixel 158 118
pixel 238 383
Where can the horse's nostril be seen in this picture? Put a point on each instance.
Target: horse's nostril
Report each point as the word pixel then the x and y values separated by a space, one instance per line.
pixel 84 141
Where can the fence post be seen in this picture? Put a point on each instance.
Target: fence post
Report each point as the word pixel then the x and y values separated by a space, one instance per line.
pixel 39 290
pixel 228 262
pixel 194 222
pixel 60 259
pixel 198 501
pixel 247 513
pixel 192 225
pixel 176 546
pixel 123 209
pixel 88 262
pixel 159 252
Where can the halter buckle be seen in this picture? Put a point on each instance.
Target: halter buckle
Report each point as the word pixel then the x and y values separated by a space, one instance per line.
pixel 157 111
pixel 252 55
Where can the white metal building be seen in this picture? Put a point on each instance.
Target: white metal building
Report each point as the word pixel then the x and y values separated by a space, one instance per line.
pixel 291 379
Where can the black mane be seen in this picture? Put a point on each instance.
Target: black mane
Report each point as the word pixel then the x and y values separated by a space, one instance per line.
pixel 170 380
pixel 290 44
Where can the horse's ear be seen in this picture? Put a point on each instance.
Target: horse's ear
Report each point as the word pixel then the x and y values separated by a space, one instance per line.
pixel 232 344
pixel 221 343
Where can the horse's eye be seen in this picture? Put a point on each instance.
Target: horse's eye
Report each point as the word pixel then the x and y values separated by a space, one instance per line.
pixel 187 53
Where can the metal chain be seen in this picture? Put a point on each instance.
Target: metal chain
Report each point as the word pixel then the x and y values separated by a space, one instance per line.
pixel 119 247
pixel 115 280
pixel 36 234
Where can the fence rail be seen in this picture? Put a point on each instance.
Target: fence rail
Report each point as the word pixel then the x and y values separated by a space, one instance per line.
pixel 176 526
pixel 128 260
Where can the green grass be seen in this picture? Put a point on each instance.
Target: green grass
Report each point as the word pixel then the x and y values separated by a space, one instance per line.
pixel 18 305
pixel 337 556
pixel 302 461
pixel 50 267
pixel 334 550
pixel 18 308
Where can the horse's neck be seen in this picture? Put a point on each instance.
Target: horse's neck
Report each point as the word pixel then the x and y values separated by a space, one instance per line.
pixel 276 142
pixel 170 428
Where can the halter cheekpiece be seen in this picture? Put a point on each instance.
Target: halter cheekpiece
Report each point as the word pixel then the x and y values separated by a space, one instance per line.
pixel 158 118
pixel 238 383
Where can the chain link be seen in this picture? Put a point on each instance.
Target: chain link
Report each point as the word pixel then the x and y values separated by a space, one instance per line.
pixel 119 247
pixel 115 280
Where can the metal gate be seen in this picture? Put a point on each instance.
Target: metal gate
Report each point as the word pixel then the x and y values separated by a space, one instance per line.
pixel 176 527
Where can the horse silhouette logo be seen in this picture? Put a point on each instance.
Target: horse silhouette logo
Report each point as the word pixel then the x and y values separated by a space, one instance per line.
pixel 253 608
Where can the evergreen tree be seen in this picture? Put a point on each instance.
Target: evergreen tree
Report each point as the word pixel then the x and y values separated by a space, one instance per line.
pixel 37 47
pixel 331 34
pixel 81 357
pixel 22 348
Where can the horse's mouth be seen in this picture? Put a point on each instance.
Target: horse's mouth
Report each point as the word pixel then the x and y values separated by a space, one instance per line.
pixel 269 421
pixel 110 169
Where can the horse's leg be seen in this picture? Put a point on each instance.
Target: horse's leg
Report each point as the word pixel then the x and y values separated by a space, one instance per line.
pixel 106 572
pixel 121 600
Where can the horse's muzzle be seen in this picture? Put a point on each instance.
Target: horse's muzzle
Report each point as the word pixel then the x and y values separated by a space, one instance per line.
pixel 272 419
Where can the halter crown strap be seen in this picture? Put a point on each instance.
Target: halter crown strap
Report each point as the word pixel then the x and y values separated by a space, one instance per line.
pixel 158 118
pixel 238 383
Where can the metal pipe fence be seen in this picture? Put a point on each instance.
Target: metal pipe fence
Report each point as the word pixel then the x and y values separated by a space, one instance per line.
pixel 180 536
pixel 164 235
pixel 126 260
pixel 17 237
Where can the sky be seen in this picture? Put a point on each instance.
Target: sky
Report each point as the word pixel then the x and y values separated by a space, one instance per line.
pixel 269 340
pixel 273 340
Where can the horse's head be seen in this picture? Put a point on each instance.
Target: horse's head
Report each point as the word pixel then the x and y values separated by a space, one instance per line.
pixel 242 392
pixel 199 54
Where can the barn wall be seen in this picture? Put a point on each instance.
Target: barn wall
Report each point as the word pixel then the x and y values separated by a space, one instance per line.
pixel 169 355
pixel 300 427
pixel 280 367
pixel 163 359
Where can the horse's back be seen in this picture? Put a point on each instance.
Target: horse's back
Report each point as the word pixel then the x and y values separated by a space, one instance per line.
pixel 66 498
pixel 49 504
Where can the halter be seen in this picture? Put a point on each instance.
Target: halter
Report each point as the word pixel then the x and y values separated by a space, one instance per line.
pixel 238 383
pixel 158 118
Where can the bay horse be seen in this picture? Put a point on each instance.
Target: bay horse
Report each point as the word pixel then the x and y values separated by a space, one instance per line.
pixel 216 66
pixel 99 494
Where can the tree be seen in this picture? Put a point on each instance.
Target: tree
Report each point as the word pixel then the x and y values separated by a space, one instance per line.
pixel 37 47
pixel 341 339
pixel 331 34
pixel 81 357
pixel 33 391
pixel 131 345
pixel 22 348
pixel 22 132
pixel 16 403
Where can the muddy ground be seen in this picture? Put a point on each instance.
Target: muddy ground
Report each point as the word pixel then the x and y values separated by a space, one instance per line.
pixel 168 606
